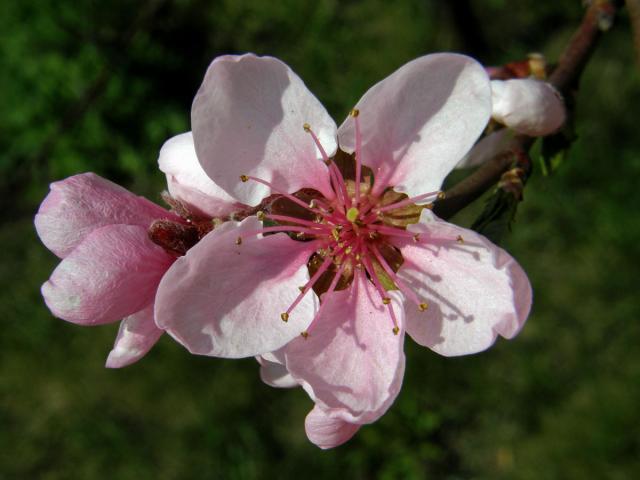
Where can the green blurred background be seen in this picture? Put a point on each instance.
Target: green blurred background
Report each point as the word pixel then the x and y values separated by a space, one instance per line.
pixel 98 86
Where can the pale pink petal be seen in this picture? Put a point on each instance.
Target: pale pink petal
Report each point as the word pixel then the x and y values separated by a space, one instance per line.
pixel 419 122
pixel 113 273
pixel 187 181
pixel 78 205
pixel 528 106
pixel 497 142
pixel 327 431
pixel 275 373
pixel 223 299
pixel 248 118
pixel 137 334
pixel 474 289
pixel 351 358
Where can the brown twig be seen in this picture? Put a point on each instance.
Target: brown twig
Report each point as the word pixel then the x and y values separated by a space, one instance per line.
pixel 598 17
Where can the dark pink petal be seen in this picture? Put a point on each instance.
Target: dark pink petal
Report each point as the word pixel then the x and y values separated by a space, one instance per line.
pixel 223 299
pixel 248 118
pixel 187 181
pixel 80 204
pixel 274 373
pixel 421 120
pixel 137 334
pixel 327 431
pixel 351 358
pixel 113 273
pixel 475 290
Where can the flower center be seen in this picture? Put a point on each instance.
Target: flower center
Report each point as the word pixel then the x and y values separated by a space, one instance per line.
pixel 355 231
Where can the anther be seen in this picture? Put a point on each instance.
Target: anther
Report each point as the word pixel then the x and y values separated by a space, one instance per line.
pixel 459 239
pixel 238 240
pixel 395 330
pixel 284 316
pixel 313 203
pixel 307 127
pixel 416 237
pixel 304 334
pixel 355 112
pixel 423 306
pixel 386 300
pixel 441 195
pixel 260 215
pixel 301 289
pixel 244 178
pixel 429 206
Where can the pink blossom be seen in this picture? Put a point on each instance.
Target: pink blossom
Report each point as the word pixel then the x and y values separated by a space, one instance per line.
pixel 112 262
pixel 344 256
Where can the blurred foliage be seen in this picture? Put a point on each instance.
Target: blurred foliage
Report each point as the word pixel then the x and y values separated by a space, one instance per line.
pixel 98 86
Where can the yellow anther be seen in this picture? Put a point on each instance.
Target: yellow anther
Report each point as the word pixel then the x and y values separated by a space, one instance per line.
pixel 348 250
pixel 352 214
pixel 373 235
pixel 416 237
pixel 336 234
pixel 304 334
pixel 441 195
pixel 355 112
pixel 300 235
pixel 307 127
pixel 386 300
pixel 238 240
pixel 423 306
pixel 312 203
pixel 244 178
pixel 459 239
pixel 284 316
pixel 260 215
pixel 358 257
pixel 395 330
pixel 429 206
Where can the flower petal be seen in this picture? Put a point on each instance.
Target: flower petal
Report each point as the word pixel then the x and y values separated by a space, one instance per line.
pixel 497 142
pixel 137 334
pixel 420 121
pixel 113 273
pixel 187 181
pixel 248 119
pixel 528 106
pixel 475 290
pixel 80 204
pixel 351 358
pixel 223 299
pixel 327 431
pixel 275 374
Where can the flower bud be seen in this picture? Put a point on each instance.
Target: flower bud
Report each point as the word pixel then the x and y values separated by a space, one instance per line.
pixel 528 106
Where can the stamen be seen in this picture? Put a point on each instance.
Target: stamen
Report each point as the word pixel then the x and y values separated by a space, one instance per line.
pixel 354 114
pixel 239 241
pixel 294 199
pixel 284 316
pixel 408 201
pixel 323 268
pixel 286 218
pixel 316 140
pixel 391 231
pixel 410 294
pixel 459 239
pixel 324 299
